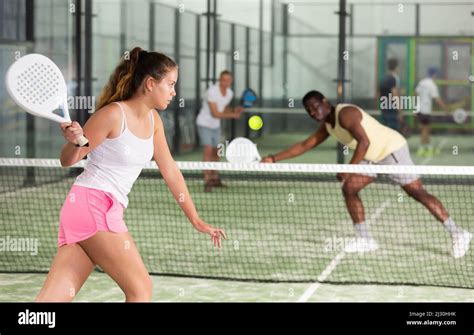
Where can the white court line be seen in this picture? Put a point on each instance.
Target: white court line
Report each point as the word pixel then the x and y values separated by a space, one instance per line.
pixel 330 268
pixel 332 265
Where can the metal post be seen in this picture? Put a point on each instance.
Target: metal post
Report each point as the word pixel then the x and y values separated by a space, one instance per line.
pixel 260 60
pixel 208 43
pixel 198 71
pixel 151 28
pixel 78 54
pixel 87 53
pixel 177 109
pixel 285 31
pixel 247 72
pixel 247 57
pixel 215 42
pixel 272 31
pixel 341 67
pixel 233 123
pixel 123 26
pixel 30 119
pixel 30 20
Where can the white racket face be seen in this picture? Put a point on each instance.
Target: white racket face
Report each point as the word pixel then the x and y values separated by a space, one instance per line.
pixel 37 85
pixel 460 115
pixel 242 150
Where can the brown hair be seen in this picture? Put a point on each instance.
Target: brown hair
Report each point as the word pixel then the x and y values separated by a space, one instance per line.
pixel 130 73
pixel 392 64
pixel 226 72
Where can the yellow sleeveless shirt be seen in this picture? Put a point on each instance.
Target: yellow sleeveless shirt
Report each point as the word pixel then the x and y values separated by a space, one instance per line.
pixel 383 140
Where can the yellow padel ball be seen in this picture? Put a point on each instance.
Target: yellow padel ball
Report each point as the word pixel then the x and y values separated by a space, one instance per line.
pixel 255 122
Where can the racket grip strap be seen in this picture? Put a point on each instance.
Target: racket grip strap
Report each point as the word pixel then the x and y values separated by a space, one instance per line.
pixel 82 142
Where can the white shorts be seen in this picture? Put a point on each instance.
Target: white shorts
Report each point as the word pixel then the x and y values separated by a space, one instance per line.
pixel 399 157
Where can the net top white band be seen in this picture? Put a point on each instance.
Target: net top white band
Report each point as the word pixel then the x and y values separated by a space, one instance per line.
pixel 290 110
pixel 273 168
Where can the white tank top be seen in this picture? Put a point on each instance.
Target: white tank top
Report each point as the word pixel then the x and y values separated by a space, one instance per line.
pixel 115 164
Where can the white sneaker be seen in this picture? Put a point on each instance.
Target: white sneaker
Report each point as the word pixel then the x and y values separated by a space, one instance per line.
pixel 361 244
pixel 461 243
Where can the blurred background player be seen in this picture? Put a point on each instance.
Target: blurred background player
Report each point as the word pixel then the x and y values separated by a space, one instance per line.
pixel 215 106
pixel 427 90
pixel 389 88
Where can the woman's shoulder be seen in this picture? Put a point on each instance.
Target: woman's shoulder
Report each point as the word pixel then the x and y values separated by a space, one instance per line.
pixel 157 122
pixel 108 117
pixel 111 112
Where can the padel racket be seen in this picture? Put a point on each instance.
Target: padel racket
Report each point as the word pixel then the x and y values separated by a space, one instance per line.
pixel 249 98
pixel 37 85
pixel 242 150
pixel 460 116
pixel 459 113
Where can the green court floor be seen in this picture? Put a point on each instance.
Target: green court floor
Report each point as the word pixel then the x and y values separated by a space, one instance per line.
pixel 100 288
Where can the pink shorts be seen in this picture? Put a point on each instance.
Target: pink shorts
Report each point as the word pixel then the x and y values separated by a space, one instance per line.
pixel 87 211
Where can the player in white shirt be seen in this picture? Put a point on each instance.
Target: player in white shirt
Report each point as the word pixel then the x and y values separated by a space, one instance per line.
pixel 125 133
pixel 215 106
pixel 427 90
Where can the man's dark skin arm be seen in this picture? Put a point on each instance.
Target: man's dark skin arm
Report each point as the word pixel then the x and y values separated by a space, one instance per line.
pixel 301 147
